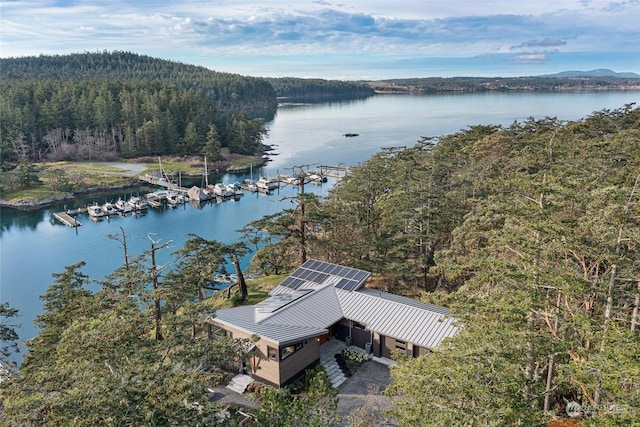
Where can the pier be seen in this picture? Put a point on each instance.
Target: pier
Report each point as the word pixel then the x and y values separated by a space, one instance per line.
pixel 163 182
pixel 66 219
pixel 334 171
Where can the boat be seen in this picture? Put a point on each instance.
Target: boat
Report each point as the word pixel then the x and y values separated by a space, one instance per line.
pixel 109 209
pixel 197 194
pixel 250 185
pixel 174 198
pixel 221 190
pixel 316 177
pixel 265 183
pixel 123 206
pixel 95 211
pixel 138 203
pixel 288 179
pixel 157 195
pixel 235 189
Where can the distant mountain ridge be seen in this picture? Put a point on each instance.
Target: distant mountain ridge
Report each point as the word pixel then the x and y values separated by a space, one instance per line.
pixel 601 72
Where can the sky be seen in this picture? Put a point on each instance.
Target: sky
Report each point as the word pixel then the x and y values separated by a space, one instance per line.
pixel 343 39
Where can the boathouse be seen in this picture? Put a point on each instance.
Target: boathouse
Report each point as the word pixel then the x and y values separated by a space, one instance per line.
pixel 322 301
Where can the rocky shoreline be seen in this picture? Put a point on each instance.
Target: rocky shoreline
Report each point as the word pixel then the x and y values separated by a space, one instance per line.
pixel 29 205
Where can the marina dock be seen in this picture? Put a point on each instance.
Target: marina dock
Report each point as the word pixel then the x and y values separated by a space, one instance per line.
pixel 163 182
pixel 66 219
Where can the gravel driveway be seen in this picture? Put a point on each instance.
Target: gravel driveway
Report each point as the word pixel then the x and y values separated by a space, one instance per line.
pixel 363 391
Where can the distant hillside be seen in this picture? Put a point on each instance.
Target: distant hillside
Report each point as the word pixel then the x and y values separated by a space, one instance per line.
pixel 225 90
pixel 433 85
pixel 602 72
pixel 318 89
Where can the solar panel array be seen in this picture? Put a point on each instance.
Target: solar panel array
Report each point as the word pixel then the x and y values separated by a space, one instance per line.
pixel 317 272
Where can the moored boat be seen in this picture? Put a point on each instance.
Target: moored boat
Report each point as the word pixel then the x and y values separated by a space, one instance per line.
pixel 235 189
pixel 221 190
pixel 95 211
pixel 265 183
pixel 109 209
pixel 174 198
pixel 138 203
pixel 123 206
pixel 197 194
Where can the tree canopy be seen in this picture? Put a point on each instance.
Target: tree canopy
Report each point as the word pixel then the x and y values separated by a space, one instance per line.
pixel 529 234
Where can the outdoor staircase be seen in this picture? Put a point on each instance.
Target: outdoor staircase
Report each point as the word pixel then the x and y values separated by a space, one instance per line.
pixel 335 374
pixel 328 362
pixel 239 383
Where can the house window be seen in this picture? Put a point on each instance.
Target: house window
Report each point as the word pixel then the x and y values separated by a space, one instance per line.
pixel 272 353
pixel 289 350
pixel 359 326
pixel 401 345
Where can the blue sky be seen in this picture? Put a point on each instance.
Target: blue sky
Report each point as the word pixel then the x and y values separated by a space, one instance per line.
pixel 343 39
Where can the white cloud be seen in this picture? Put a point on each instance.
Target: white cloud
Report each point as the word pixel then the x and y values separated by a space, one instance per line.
pixel 200 28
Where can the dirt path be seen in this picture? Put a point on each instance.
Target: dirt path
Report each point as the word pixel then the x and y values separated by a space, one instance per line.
pixel 129 169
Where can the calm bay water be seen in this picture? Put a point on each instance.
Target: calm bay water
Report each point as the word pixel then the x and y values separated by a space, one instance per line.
pixel 33 245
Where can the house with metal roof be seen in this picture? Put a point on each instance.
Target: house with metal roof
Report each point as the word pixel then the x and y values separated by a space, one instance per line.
pixel 322 301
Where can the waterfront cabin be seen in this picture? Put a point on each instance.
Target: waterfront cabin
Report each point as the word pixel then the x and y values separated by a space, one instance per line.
pixel 322 301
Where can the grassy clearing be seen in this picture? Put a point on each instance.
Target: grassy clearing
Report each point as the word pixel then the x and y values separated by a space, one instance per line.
pixel 80 176
pixel 258 291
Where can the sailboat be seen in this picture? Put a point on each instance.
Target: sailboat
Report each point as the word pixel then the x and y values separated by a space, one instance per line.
pixel 199 194
pixel 250 184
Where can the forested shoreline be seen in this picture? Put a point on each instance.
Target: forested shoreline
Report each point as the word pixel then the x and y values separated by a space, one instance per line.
pixel 440 85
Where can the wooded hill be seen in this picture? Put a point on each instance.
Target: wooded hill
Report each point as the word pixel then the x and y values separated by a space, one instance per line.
pixel 100 106
pixel 223 90
pixel 529 234
pixel 290 88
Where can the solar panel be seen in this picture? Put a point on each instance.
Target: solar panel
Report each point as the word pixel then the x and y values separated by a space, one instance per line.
pixel 352 286
pixel 344 284
pixel 302 273
pixel 321 277
pixel 350 274
pixel 287 282
pixel 314 265
pixel 308 262
pixel 313 273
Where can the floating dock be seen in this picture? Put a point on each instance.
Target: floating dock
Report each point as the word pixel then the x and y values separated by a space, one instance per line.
pixel 154 203
pixel 66 219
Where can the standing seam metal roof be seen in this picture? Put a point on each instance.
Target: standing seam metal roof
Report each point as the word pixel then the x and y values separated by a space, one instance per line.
pixel 314 306
pixel 242 318
pixel 395 319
